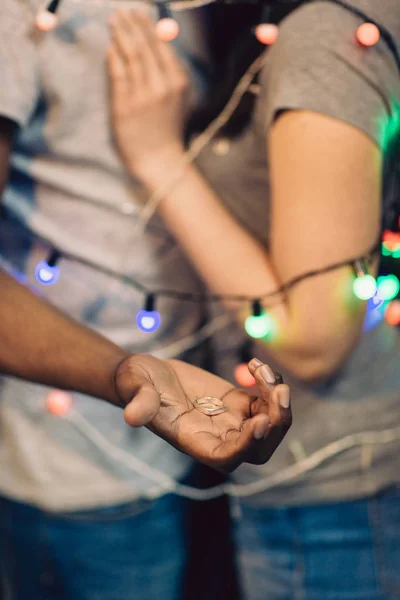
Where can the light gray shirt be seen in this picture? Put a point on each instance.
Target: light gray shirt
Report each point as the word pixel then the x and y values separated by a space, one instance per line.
pixel 68 185
pixel 345 437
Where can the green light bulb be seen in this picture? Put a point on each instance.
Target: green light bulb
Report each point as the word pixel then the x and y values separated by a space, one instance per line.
pixel 364 287
pixel 385 250
pixel 388 287
pixel 259 327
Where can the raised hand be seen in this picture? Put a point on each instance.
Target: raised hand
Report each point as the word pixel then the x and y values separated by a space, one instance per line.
pixel 149 93
pixel 162 394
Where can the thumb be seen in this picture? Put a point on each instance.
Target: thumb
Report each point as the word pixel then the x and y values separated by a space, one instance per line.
pixel 144 407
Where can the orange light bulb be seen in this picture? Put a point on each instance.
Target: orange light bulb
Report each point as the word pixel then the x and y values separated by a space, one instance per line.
pixel 368 34
pixel 266 33
pixel 243 376
pixel 392 314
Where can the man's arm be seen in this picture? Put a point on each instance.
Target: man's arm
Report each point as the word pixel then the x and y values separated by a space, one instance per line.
pixel 39 343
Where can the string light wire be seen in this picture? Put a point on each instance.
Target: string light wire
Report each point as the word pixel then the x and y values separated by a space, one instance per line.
pixel 166 484
pixel 209 297
pixel 200 142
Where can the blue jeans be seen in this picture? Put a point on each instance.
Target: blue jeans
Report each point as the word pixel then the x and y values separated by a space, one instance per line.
pixel 136 551
pixel 343 551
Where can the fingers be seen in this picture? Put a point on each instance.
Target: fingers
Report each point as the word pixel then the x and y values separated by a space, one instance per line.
pixel 129 47
pixel 274 400
pixel 143 408
pixel 275 395
pixel 120 90
pixel 148 60
pixel 226 454
pixel 272 377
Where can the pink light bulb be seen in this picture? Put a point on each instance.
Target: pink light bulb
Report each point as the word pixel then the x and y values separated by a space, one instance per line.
pixel 167 29
pixel 266 33
pixel 46 21
pixel 59 403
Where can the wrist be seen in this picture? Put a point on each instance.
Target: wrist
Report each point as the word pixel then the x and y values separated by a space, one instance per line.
pixel 158 168
pixel 111 393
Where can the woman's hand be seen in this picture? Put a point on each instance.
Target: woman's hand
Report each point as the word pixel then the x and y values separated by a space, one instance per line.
pixel 161 394
pixel 149 88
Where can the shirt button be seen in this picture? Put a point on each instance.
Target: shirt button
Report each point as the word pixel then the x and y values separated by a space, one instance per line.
pixel 221 147
pixel 127 208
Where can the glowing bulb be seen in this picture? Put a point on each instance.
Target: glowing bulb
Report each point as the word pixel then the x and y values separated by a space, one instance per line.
pixel 259 326
pixel 167 29
pixel 386 251
pixel 375 312
pixel 376 301
pixel 243 376
pixel 46 274
pixel 368 34
pixel 388 287
pixel 46 21
pixel 393 313
pixel 148 320
pixel 58 402
pixel 266 33
pixel 364 287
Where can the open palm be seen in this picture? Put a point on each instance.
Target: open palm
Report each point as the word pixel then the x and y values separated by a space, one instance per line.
pixel 164 393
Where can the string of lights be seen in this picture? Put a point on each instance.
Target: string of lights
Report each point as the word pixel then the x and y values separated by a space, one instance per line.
pixel 148 319
pixel 164 483
pixel 259 323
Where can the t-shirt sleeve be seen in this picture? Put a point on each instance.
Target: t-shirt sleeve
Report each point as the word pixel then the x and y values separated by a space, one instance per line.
pixel 19 80
pixel 317 64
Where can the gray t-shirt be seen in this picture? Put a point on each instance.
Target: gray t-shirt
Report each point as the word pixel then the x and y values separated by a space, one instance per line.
pixel 345 437
pixel 68 185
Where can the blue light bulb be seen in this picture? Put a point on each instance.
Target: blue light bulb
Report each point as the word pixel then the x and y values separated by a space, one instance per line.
pixel 375 312
pixel 148 320
pixel 47 274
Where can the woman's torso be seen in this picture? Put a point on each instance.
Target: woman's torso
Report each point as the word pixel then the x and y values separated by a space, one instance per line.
pixel 345 437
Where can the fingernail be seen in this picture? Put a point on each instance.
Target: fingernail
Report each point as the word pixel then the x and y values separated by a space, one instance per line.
pixel 254 362
pixel 261 429
pixel 284 396
pixel 267 374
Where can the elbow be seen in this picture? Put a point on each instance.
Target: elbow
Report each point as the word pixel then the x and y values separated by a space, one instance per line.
pixel 315 356
pixel 316 363
pixel 322 362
